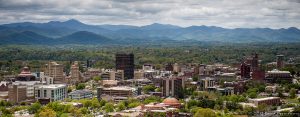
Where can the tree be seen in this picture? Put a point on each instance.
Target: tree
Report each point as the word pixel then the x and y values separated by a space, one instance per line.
pixel 148 88
pixel 97 78
pixel 252 95
pixel 133 104
pixel 293 93
pixel 121 106
pixel 70 89
pixel 34 108
pixel 76 113
pixel 109 107
pixel 205 112
pixel 152 99
pixel 102 103
pixel 95 103
pixel 80 86
pixel 84 110
pixel 192 103
pixel 47 112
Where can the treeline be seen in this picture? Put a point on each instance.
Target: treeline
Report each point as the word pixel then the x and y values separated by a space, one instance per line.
pixel 103 56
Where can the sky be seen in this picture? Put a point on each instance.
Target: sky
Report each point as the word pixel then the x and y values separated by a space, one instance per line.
pixel 222 13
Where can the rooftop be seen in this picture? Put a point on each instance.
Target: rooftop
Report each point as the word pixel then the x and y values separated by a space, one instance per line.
pixel 80 92
pixel 278 71
pixel 52 86
pixel 262 99
pixel 120 88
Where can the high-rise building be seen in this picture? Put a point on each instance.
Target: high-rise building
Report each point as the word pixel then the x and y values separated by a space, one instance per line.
pixel 125 62
pixel 173 87
pixel 280 61
pixel 245 70
pixel 254 62
pixel 75 73
pixel 55 70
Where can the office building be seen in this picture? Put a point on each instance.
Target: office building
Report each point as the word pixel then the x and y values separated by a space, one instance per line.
pixel 125 62
pixel 75 73
pixel 29 85
pixel 121 91
pixel 253 61
pixel 17 93
pixel 206 83
pixel 51 92
pixel 273 101
pixel 169 67
pixel 225 91
pixel 239 86
pixel 278 76
pixel 258 75
pixel 245 70
pixel 55 70
pixel 280 61
pixel 110 74
pixel 173 86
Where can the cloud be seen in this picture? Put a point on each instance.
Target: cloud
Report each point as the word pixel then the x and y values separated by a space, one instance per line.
pixel 224 13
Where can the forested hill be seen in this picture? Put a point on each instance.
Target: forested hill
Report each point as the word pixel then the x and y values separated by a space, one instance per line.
pixel 76 32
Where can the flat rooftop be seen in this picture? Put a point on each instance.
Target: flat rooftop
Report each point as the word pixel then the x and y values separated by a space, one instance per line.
pixel 262 99
pixel 120 88
pixel 52 86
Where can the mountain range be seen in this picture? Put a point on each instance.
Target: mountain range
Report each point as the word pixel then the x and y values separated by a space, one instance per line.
pixel 76 32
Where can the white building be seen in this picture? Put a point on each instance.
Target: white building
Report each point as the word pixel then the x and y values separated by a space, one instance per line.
pixel 46 79
pixel 54 92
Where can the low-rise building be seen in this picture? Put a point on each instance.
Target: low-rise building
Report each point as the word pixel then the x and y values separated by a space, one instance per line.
pixel 80 94
pixel 119 91
pixel 4 90
pixel 278 76
pixel 206 83
pixel 226 90
pixel 239 86
pixel 268 101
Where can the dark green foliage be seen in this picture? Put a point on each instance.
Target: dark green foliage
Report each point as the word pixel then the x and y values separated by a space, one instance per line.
pixel 80 86
pixel 34 108
pixel 149 88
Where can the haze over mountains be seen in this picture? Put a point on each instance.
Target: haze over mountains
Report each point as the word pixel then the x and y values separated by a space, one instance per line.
pixel 75 32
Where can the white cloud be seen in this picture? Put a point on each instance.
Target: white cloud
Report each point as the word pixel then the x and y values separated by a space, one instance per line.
pixel 224 13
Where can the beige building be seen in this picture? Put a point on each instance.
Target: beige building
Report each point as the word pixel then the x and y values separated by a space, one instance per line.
pixel 112 75
pixel 17 93
pixel 176 68
pixel 138 74
pixel 75 73
pixel 55 70
pixel 173 86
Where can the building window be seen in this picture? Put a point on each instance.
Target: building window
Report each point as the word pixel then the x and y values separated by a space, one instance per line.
pixel 45 93
pixel 39 93
pixel 52 93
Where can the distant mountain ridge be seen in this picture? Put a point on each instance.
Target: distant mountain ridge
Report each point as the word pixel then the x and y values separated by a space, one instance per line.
pixel 76 32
